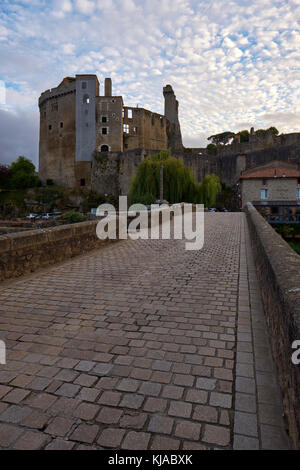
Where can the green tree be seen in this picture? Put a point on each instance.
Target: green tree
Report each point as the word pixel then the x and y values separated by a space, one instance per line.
pixel 5 175
pixel 244 135
pixel 221 139
pixel 271 129
pixel 212 148
pixel 23 174
pixel 179 183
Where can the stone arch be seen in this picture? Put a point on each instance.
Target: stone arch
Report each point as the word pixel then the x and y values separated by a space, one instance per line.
pixel 104 148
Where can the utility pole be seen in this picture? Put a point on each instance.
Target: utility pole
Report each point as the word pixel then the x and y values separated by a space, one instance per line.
pixel 161 182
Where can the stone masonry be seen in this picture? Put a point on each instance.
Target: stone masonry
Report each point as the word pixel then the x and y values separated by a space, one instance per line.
pixel 141 345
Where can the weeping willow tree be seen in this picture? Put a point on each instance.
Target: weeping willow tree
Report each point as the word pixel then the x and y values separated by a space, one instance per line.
pixel 179 183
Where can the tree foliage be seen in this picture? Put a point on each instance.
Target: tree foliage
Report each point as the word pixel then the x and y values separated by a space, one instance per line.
pixel 271 130
pixel 5 174
pixel 212 148
pixel 221 139
pixel 179 184
pixel 244 135
pixel 23 174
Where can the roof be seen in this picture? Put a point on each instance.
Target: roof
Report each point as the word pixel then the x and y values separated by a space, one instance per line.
pixel 273 169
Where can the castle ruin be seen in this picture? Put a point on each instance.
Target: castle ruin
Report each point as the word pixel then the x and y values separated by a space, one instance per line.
pixel 77 122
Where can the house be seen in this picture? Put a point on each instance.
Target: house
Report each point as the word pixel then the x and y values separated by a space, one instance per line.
pixel 274 189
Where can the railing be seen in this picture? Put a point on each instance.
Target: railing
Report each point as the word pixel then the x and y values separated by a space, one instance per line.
pixel 282 219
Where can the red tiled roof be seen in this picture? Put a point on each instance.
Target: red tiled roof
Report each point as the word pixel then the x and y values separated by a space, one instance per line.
pixel 273 173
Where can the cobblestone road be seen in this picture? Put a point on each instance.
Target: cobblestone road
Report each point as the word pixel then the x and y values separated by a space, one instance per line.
pixel 139 345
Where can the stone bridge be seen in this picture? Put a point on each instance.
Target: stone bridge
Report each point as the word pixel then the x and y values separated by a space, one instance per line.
pixel 142 345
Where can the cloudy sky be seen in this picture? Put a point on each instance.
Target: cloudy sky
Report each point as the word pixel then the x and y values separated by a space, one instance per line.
pixel 233 64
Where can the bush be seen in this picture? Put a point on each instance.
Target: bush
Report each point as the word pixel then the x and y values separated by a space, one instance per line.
pixel 72 217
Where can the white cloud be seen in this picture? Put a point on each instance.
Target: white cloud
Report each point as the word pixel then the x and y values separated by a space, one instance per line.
pixel 229 62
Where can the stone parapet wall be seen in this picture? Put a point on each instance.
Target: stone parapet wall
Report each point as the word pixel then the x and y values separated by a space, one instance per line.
pixel 278 270
pixel 22 253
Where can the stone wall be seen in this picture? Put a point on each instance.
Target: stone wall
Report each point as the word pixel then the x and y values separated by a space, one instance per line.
pixel 279 189
pixel 22 253
pixel 278 269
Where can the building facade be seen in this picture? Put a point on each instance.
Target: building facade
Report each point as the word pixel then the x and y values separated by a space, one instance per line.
pixel 274 189
pixel 76 121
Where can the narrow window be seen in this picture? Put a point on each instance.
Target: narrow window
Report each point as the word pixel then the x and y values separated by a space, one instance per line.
pixel 123 112
pixel 298 193
pixel 82 182
pixel 126 128
pixel 264 194
pixel 104 148
pixel 61 125
pixel 264 182
pixel 86 99
pixel 50 127
pixel 104 130
pixel 129 113
pixel 104 119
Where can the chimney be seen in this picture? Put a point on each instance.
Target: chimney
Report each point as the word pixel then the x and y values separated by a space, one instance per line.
pixel 107 87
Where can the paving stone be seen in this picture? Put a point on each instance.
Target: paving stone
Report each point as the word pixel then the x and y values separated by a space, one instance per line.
pixel 132 419
pixel 111 437
pixel 188 430
pixel 245 443
pixel 31 440
pixel 245 424
pixel 15 414
pixel 9 434
pixel 86 411
pixel 206 383
pixel 68 390
pixel 132 400
pixel 59 426
pixel 172 391
pixel 150 388
pixel 110 398
pixel 245 402
pixel 85 433
pixel 180 409
pixel 136 441
pixel 60 444
pixel 223 400
pixel 128 385
pixel 216 435
pixel 109 415
pixel 205 414
pixel 16 395
pixel 160 424
pixel 155 405
pixel 165 443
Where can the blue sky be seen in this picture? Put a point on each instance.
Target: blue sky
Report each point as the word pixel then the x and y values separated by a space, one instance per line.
pixel 233 64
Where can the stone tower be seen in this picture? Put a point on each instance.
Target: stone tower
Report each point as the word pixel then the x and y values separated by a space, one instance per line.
pixel 171 113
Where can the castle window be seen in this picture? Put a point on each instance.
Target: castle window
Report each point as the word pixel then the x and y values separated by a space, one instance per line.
pixel 104 130
pixel 126 128
pixel 50 127
pixel 123 112
pixel 298 181
pixel 83 85
pixel 135 130
pixel 264 182
pixel 104 148
pixel 61 124
pixel 263 194
pixel 54 107
pixel 86 99
pixel 82 182
pixel 104 119
pixel 129 113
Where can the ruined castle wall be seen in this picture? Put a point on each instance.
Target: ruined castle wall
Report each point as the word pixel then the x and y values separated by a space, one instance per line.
pixel 57 135
pixel 109 117
pixel 146 130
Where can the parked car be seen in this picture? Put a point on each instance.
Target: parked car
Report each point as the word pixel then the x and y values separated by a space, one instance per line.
pixel 31 216
pixel 161 201
pixel 212 209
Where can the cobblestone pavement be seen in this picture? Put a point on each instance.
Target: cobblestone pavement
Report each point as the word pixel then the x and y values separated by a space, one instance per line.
pixel 139 345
